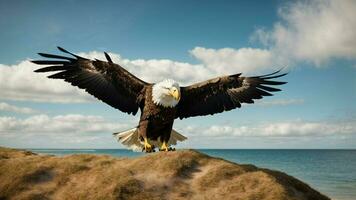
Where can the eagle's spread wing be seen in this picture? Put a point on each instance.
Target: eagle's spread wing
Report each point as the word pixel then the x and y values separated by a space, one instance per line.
pixel 224 93
pixel 106 81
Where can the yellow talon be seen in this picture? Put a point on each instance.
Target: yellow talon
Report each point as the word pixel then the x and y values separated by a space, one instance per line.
pixel 148 148
pixel 164 147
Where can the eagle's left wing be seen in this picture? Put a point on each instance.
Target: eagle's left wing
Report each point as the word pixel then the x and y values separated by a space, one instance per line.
pixel 107 81
pixel 224 93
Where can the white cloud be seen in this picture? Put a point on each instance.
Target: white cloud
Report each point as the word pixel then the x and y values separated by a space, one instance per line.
pixel 296 128
pixel 154 70
pixel 229 61
pixel 11 108
pixel 73 131
pixel 313 31
pixel 308 31
pixel 62 124
pixel 19 82
pixel 61 131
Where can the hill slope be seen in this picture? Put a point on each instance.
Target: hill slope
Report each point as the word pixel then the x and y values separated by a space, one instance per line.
pixel 184 174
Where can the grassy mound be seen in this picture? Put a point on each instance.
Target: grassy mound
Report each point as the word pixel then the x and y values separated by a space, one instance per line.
pixel 184 174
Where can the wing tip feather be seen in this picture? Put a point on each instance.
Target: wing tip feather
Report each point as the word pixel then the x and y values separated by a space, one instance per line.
pixel 62 49
pixel 108 57
pixel 39 70
pixel 65 51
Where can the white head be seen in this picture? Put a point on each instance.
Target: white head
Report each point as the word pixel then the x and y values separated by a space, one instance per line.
pixel 166 93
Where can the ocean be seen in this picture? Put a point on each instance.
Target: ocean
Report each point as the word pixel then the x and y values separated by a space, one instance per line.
pixel 332 172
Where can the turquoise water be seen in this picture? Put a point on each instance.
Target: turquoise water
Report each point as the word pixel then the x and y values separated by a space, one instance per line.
pixel 332 172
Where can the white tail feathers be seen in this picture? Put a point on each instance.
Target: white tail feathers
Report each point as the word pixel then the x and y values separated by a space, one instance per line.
pixel 131 139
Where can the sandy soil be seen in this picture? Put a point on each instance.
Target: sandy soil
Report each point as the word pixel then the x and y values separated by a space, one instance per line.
pixel 184 174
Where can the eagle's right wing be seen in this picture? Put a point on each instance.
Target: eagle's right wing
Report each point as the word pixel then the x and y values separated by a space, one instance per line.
pixel 224 93
pixel 107 81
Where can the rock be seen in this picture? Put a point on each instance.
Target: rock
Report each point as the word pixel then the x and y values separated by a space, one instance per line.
pixel 182 174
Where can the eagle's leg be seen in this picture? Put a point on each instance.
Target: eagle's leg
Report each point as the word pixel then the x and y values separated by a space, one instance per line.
pixel 165 138
pixel 147 146
pixel 164 147
pixel 142 132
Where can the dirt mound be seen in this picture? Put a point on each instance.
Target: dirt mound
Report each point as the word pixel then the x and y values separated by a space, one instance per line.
pixel 185 174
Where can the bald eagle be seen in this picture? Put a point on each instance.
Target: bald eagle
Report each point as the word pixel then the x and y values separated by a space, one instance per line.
pixel 160 103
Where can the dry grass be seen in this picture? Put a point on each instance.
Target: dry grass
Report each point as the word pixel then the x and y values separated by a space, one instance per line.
pixel 184 174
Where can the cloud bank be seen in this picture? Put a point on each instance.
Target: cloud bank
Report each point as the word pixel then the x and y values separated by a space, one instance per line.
pixel 230 61
pixel 11 108
pixel 312 31
pixel 19 82
pixel 297 128
pixel 60 124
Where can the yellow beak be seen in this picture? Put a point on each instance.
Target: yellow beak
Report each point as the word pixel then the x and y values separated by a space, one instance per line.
pixel 175 93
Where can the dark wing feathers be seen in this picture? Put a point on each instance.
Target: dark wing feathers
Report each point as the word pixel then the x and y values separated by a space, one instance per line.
pixel 106 81
pixel 225 93
pixel 50 62
pixel 65 51
pixel 52 68
pixel 55 56
pixel 108 57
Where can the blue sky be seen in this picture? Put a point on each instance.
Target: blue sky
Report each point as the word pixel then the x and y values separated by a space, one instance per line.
pixel 146 29
pixel 189 42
